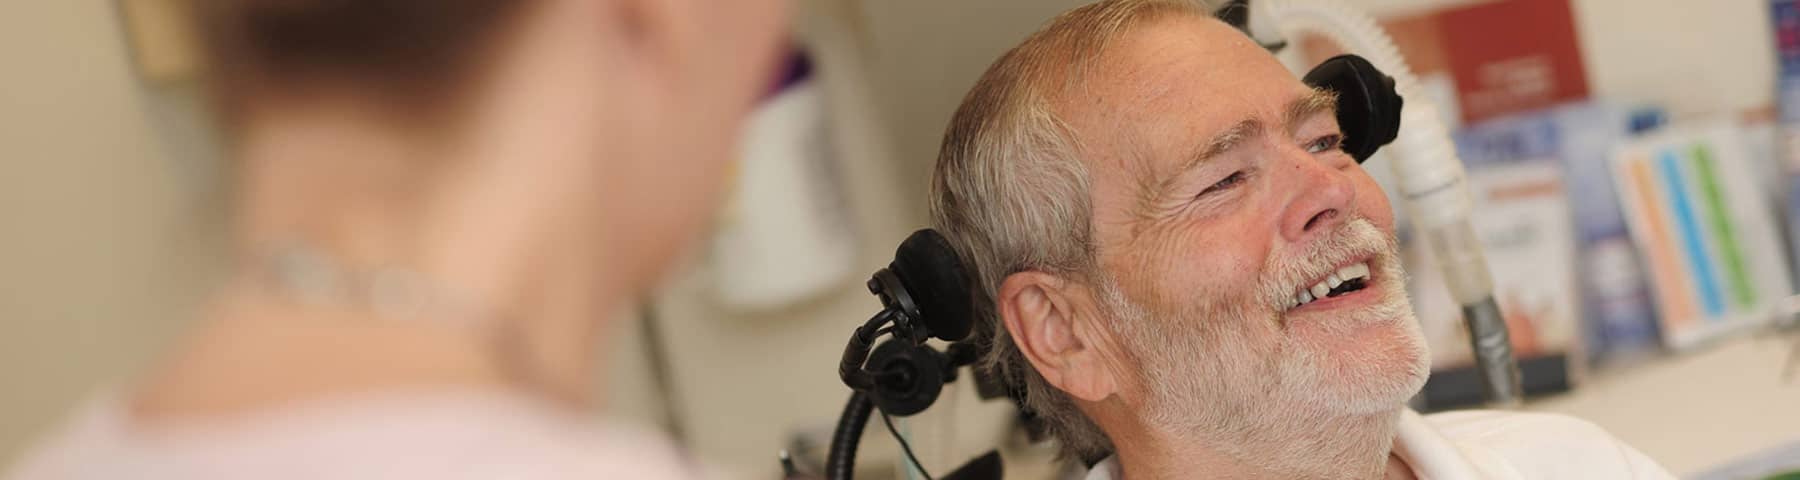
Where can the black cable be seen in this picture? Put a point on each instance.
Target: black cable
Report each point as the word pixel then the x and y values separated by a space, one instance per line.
pixel 840 462
pixel 904 446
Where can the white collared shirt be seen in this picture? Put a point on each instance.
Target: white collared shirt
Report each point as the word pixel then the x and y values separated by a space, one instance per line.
pixel 1489 444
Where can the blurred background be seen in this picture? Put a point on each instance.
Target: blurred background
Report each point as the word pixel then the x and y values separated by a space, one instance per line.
pixel 113 197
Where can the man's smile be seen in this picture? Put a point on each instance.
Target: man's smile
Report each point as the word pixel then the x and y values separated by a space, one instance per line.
pixel 1343 287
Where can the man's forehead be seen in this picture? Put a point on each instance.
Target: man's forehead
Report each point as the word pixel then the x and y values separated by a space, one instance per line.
pixel 1167 79
pixel 1169 51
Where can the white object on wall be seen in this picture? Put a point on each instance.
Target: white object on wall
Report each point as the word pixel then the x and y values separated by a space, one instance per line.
pixel 784 236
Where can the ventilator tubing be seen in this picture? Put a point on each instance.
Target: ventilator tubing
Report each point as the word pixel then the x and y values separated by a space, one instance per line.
pixel 1431 182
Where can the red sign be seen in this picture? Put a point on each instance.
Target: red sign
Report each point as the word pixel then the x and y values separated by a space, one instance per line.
pixel 1511 56
pixel 1503 57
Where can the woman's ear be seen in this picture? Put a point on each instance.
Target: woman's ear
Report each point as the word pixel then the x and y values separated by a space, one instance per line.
pixel 1046 316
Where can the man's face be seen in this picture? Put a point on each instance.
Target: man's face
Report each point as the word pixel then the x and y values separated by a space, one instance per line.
pixel 1220 201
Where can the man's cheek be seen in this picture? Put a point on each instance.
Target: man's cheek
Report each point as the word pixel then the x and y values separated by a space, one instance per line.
pixel 1228 270
pixel 1173 280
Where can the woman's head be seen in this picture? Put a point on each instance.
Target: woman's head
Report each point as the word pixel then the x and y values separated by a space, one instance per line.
pixel 508 128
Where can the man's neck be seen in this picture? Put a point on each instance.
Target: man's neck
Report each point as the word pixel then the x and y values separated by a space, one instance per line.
pixel 1292 447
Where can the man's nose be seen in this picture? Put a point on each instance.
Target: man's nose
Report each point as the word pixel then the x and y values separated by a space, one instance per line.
pixel 1322 197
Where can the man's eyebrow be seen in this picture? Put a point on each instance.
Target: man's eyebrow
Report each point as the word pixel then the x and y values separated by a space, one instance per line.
pixel 1314 102
pixel 1153 186
pixel 1223 142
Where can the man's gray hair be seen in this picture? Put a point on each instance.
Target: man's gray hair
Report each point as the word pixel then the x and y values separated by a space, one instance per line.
pixel 1010 191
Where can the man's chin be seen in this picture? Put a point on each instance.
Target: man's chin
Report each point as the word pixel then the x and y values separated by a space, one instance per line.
pixel 1362 365
pixel 1374 387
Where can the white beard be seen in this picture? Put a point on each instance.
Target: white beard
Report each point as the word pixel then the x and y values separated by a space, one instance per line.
pixel 1227 372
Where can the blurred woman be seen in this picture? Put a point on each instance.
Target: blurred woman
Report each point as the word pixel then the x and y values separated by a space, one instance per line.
pixel 440 206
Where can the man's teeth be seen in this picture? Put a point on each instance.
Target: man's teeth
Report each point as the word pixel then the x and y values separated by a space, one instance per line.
pixel 1322 289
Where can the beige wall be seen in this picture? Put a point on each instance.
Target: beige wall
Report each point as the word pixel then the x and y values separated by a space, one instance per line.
pixel 1696 58
pixel 102 184
pixel 109 201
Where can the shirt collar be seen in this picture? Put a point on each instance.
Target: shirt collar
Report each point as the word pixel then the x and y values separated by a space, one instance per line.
pixel 1428 453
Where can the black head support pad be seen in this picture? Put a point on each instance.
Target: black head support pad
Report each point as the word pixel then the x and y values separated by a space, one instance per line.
pixel 935 278
pixel 915 377
pixel 1368 107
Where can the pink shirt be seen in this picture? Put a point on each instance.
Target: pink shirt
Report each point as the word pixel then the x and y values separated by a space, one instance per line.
pixel 436 435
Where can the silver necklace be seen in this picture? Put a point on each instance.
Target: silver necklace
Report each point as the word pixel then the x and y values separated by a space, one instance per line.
pixel 311 278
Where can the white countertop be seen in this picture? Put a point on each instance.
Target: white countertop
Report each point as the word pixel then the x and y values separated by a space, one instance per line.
pixel 1695 410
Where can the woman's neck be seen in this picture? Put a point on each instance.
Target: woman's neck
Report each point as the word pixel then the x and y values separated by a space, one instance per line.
pixel 365 198
pixel 252 351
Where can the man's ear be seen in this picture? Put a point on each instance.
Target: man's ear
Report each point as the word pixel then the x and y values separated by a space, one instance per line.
pixel 1045 315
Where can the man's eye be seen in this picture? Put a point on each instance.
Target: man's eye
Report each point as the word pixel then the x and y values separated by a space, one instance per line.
pixel 1229 181
pixel 1326 143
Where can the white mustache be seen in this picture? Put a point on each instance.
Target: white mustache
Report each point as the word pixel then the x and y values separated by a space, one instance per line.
pixel 1355 239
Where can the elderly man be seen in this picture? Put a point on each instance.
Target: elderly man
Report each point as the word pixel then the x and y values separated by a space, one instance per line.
pixel 1189 277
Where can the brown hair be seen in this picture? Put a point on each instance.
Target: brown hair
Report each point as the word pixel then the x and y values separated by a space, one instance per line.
pixel 410 54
